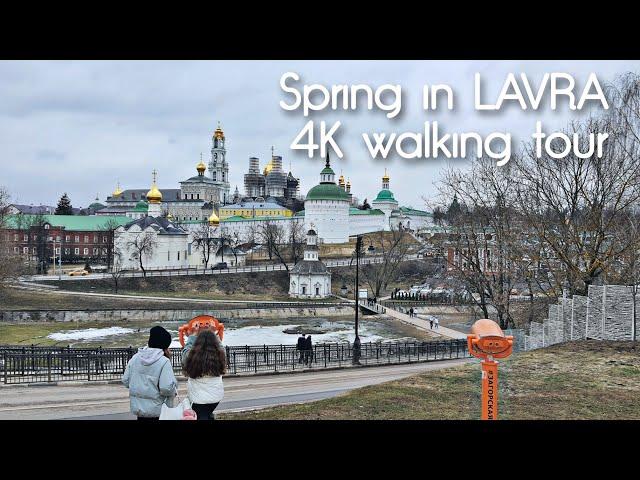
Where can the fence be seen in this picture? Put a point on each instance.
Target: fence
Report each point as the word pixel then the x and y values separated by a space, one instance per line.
pixel 54 364
pixel 607 313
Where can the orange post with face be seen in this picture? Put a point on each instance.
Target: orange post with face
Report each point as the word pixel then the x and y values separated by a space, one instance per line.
pixel 198 323
pixel 487 341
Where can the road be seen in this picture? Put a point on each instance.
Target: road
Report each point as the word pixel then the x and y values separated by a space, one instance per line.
pixel 330 263
pixel 110 402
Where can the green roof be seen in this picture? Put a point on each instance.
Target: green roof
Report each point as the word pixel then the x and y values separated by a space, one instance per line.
pixel 141 206
pixel 96 206
pixel 83 223
pixel 413 211
pixel 327 171
pixel 299 214
pixel 384 196
pixel 371 211
pixel 327 191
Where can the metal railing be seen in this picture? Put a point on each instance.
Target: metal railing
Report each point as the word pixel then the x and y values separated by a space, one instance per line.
pixel 56 364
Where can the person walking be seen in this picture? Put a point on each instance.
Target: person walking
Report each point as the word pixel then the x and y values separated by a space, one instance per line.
pixel 437 323
pixel 411 312
pixel 204 362
pixel 431 323
pixel 149 377
pixel 300 347
pixel 308 350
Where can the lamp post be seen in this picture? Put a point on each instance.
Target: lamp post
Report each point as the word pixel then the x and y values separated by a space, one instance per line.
pixel 356 342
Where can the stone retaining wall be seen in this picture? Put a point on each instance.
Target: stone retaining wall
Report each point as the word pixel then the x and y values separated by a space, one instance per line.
pixel 166 315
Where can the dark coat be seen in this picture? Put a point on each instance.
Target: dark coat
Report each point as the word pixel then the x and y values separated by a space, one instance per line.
pixel 307 343
pixel 301 343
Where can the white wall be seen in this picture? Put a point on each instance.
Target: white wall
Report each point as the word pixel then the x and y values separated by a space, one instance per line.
pixel 170 251
pixel 330 218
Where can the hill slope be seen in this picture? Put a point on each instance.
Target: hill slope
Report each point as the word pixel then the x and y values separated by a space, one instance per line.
pixel 578 380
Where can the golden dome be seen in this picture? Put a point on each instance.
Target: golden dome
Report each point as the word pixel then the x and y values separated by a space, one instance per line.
pixel 218 133
pixel 118 191
pixel 201 167
pixel 269 167
pixel 154 195
pixel 214 221
pixel 386 176
pixel 348 183
pixel 341 180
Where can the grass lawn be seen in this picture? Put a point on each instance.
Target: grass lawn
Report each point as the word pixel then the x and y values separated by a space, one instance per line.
pixel 588 380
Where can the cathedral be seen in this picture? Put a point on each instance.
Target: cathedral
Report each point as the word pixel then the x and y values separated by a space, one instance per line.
pixel 197 196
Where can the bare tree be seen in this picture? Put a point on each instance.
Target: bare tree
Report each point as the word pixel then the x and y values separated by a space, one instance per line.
pixel 108 230
pixel 143 245
pixel 392 247
pixel 116 271
pixel 205 241
pixel 578 208
pixel 9 262
pixel 484 232
pixel 297 236
pixel 274 237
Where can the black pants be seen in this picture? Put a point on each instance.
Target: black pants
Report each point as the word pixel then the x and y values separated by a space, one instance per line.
pixel 204 411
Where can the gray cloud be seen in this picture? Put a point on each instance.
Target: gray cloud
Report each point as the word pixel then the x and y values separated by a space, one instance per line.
pixel 81 126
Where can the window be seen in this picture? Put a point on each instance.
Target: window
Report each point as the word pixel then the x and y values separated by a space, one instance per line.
pixel 168 256
pixel 192 196
pixel 57 250
pixel 104 240
pixel 67 251
pixel 86 239
pixel 178 255
pixel 25 238
pixel 15 237
pixel 46 227
pixel 317 290
pixel 57 238
pixel 67 238
pixel 77 238
pixel 96 251
pixel 76 251
pixel 86 251
pixel 15 249
pixel 95 239
pixel 25 250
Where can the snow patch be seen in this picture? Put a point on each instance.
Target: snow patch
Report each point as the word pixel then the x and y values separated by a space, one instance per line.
pixel 89 333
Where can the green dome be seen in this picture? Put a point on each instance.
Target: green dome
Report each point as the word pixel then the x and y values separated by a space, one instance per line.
pixel 141 206
pixel 385 196
pixel 327 191
pixel 96 206
pixel 327 171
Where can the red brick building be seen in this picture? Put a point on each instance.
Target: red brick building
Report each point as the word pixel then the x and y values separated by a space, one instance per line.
pixel 71 238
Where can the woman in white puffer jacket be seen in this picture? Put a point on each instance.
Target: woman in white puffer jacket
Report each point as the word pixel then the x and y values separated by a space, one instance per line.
pixel 204 362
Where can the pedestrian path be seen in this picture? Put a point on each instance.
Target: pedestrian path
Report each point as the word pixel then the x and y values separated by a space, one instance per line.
pixel 425 324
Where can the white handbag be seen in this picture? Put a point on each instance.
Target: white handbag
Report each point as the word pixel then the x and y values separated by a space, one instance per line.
pixel 174 413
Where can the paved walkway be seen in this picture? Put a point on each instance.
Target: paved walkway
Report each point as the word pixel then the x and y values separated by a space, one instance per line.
pixel 424 324
pixel 111 401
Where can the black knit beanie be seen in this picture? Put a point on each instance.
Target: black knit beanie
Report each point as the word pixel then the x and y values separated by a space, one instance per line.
pixel 159 338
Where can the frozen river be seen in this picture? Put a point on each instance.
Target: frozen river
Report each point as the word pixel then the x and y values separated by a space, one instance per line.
pixel 237 332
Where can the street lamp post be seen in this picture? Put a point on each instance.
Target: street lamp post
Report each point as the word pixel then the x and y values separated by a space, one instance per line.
pixel 356 341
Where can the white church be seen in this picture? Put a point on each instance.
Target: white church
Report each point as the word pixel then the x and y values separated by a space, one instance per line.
pixel 309 278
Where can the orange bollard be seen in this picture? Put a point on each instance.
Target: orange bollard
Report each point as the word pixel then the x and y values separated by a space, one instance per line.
pixel 198 323
pixel 487 341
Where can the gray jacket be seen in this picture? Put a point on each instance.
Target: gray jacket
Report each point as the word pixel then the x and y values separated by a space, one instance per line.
pixel 151 382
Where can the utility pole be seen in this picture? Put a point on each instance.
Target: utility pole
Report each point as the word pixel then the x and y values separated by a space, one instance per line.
pixel 356 342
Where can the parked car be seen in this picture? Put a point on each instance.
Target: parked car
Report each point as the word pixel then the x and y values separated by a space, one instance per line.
pixel 220 266
pixel 78 273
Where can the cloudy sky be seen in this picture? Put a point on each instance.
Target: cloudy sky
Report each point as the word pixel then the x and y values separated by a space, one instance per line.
pixel 82 126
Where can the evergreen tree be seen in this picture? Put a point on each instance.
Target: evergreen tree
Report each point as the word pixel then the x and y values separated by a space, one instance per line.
pixel 64 206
